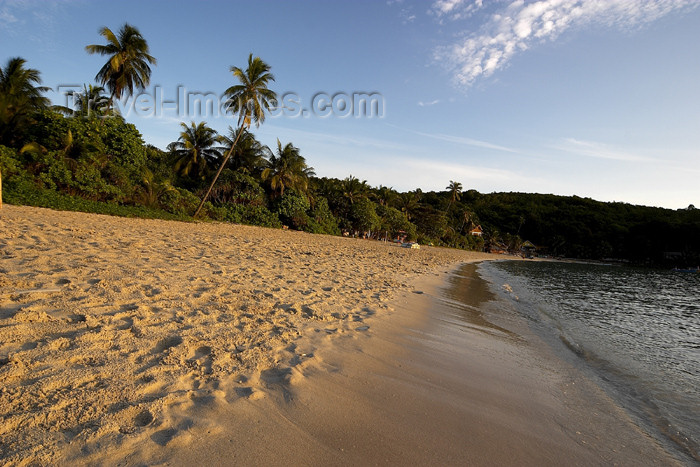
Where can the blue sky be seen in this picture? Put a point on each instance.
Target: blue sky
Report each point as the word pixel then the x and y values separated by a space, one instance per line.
pixel 595 98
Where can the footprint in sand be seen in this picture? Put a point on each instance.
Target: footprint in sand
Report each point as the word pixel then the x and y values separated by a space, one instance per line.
pixel 202 358
pixel 163 437
pixel 166 343
pixel 143 419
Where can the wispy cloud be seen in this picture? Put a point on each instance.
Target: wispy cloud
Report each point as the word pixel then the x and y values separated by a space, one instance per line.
pixel 457 139
pixel 468 142
pixel 522 24
pixel 456 9
pixel 598 151
pixel 446 171
pixel 338 139
pixel 428 104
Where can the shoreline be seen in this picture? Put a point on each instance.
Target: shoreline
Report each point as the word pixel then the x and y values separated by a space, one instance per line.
pixel 434 383
pixel 615 380
pixel 231 361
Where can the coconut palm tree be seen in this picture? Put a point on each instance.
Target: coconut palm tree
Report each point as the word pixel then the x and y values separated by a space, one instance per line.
pixel 385 195
pixel 91 101
pixel 354 189
pixel 249 155
pixel 20 97
pixel 195 150
pixel 88 102
pixel 287 169
pixel 409 202
pixel 455 189
pixel 250 100
pixel 152 190
pixel 127 67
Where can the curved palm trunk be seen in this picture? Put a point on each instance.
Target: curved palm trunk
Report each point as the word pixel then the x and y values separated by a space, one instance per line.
pixel 216 177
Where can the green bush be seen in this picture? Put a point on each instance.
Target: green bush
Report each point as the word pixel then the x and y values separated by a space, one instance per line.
pixel 291 209
pixel 322 220
pixel 22 191
pixel 252 215
pixel 9 162
pixel 180 202
pixel 363 215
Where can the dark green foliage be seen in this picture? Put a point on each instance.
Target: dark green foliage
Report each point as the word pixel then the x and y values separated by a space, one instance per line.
pixel 291 208
pixel 20 98
pixel 394 223
pixel 287 169
pixel 252 215
pixel 179 201
pixel 10 164
pixel 25 192
pixel 363 216
pixel 237 188
pixel 195 152
pixel 322 220
pixel 99 159
pixel 584 228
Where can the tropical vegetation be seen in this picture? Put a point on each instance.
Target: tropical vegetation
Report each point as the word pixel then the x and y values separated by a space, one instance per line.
pixel 89 158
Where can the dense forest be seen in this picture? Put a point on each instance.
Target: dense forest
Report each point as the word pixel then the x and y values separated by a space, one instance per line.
pixel 89 158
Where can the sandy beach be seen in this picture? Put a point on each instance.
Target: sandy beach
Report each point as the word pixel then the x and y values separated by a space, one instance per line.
pixel 109 325
pixel 131 342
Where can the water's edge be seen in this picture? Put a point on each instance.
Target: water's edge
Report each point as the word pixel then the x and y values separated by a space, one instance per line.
pixel 641 410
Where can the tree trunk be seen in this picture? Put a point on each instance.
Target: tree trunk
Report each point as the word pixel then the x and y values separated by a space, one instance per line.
pixel 204 200
pixel 0 189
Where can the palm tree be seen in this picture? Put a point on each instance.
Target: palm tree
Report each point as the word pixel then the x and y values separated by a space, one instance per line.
pixel 287 169
pixel 91 100
pixel 152 190
pixel 385 195
pixel 20 97
pixel 249 155
pixel 354 189
pixel 127 67
pixel 249 99
pixel 409 202
pixel 467 219
pixel 455 189
pixel 194 150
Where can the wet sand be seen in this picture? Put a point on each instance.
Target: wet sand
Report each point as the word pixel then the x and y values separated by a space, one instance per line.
pixel 441 382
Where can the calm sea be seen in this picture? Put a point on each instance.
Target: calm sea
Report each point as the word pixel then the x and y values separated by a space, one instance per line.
pixel 636 332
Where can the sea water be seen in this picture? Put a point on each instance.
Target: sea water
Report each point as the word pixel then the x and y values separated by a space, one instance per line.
pixel 636 332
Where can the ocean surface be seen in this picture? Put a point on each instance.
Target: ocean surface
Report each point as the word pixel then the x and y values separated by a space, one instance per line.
pixel 635 332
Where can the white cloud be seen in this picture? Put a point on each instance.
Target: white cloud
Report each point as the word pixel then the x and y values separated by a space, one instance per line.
pixel 468 142
pixel 520 25
pixel 457 140
pixel 428 104
pixel 598 151
pixel 456 9
pixel 433 172
pixel 6 16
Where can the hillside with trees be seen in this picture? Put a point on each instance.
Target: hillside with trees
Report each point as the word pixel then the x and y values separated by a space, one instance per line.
pixel 89 158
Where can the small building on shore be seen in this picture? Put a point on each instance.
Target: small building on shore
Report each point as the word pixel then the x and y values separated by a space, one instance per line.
pixel 528 249
pixel 477 231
